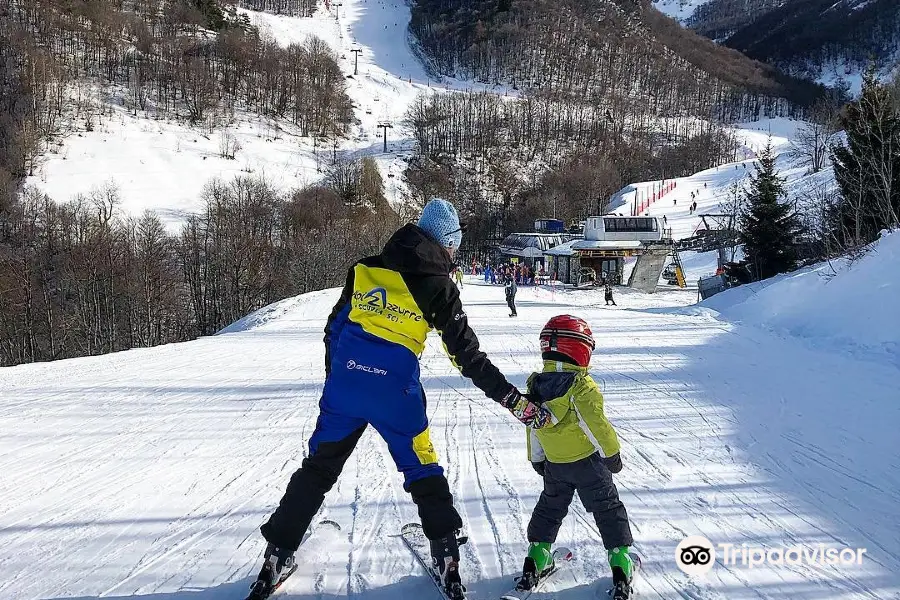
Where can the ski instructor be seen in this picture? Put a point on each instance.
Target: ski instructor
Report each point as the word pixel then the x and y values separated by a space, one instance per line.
pixel 373 340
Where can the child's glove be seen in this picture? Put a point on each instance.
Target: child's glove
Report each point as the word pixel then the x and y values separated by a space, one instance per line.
pixel 613 463
pixel 539 467
pixel 526 411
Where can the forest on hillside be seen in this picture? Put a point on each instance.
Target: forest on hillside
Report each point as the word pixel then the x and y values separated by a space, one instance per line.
pixel 803 37
pixel 507 161
pixel 608 53
pixel 191 60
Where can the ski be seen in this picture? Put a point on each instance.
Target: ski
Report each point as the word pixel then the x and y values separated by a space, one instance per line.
pixel 414 538
pixel 628 594
pixel 259 590
pixel 562 556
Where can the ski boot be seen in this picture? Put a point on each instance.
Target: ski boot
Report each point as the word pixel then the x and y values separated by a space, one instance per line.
pixel 538 563
pixel 278 564
pixel 623 566
pixel 445 562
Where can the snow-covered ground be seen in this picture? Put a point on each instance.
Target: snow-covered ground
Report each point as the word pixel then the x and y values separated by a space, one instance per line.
pixel 163 164
pixel 680 10
pixel 145 474
pixel 850 306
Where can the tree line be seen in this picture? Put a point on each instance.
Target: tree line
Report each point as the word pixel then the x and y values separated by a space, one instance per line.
pixel 779 233
pixel 82 278
pixel 613 55
pixel 509 161
pixel 867 167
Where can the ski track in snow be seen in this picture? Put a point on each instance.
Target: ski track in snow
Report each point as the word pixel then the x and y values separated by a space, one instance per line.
pixel 147 473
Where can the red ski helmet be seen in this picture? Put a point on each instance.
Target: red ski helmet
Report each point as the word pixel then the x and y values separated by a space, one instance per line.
pixel 569 336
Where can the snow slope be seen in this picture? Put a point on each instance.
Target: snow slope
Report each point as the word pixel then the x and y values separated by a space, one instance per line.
pixel 714 188
pixel 163 165
pixel 680 10
pixel 145 474
pixel 850 306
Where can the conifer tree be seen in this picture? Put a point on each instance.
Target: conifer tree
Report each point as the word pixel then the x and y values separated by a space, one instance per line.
pixel 769 226
pixel 867 167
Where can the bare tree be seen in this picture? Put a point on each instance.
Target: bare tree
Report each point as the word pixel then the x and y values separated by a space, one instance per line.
pixel 228 145
pixel 817 134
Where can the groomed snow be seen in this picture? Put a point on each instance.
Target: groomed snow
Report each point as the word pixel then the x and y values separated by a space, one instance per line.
pixel 145 474
pixel 849 306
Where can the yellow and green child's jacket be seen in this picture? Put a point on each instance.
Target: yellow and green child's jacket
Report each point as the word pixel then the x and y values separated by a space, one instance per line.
pixel 580 428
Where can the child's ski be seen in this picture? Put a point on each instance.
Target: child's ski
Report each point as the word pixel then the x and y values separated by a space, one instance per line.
pixel 561 558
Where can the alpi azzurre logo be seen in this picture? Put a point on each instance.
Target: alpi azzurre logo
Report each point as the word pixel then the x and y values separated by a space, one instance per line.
pixel 376 301
pixel 376 297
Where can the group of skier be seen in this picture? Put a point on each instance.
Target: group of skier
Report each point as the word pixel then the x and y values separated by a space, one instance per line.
pixel 373 340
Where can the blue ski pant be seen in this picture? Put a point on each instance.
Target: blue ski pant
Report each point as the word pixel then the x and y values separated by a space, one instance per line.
pixel 371 382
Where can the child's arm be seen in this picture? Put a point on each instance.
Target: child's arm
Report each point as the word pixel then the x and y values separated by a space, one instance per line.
pixel 589 406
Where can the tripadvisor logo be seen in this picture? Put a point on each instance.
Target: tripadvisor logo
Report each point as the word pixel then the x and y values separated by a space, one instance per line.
pixel 696 555
pixel 376 301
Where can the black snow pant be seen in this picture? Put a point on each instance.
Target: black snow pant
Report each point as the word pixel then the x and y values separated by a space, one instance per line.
pixel 594 484
pixel 511 302
pixel 318 474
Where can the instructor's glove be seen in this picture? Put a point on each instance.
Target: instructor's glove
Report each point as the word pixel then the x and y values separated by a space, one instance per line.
pixel 526 411
pixel 539 467
pixel 613 463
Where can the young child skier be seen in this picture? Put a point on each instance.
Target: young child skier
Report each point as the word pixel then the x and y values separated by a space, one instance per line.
pixel 578 453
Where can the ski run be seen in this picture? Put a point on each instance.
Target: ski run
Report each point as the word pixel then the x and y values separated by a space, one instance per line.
pixel 767 416
pixel 147 473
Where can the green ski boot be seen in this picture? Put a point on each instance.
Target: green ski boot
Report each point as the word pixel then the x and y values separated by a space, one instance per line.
pixel 623 567
pixel 538 563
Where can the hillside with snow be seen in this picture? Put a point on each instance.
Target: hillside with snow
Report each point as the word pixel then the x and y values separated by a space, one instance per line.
pixel 848 305
pixel 827 41
pixel 162 165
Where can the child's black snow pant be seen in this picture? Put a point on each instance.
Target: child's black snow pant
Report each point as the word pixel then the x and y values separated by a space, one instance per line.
pixel 594 484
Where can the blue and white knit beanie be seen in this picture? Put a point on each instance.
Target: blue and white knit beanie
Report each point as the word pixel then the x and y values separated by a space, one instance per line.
pixel 441 222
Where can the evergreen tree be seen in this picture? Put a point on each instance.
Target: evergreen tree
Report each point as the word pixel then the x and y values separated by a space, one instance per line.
pixel 769 227
pixel 867 167
pixel 212 13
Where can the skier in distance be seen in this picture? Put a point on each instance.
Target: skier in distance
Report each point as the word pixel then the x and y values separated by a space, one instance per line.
pixel 373 340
